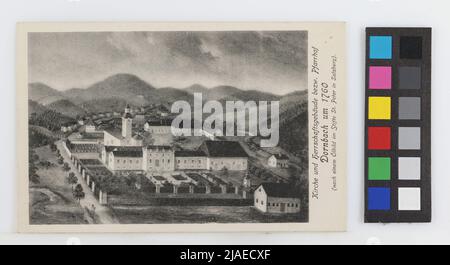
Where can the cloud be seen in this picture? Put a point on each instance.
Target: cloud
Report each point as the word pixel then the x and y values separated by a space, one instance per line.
pixel 270 61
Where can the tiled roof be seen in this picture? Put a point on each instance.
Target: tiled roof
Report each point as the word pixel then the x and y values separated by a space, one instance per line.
pixel 162 122
pixel 281 157
pixel 190 153
pixel 159 147
pixel 280 190
pixel 223 149
pixel 127 151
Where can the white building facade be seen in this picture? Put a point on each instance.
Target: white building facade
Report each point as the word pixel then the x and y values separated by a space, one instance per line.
pixel 276 198
pixel 158 158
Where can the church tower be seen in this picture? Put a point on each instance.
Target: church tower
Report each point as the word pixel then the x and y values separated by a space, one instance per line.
pixel 127 123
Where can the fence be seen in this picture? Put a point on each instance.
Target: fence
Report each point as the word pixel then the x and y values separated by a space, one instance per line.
pixel 101 196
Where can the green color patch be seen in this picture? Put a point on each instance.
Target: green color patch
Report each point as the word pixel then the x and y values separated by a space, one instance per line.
pixel 379 168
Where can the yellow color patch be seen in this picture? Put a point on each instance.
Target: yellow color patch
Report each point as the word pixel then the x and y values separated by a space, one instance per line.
pixel 379 108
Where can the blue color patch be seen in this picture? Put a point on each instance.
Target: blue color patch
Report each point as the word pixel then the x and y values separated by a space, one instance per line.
pixel 379 199
pixel 381 47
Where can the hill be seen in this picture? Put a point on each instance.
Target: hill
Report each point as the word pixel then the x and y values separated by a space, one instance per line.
pixel 34 107
pixel 38 136
pixel 121 86
pixel 50 120
pixel 251 95
pixel 106 104
pixel 43 94
pixel 67 108
pixel 220 92
pixel 196 88
pixel 169 95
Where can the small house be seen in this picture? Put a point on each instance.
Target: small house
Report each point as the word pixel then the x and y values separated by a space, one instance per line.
pixel 276 198
pixel 278 161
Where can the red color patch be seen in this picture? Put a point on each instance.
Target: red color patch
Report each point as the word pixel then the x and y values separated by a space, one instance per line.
pixel 379 138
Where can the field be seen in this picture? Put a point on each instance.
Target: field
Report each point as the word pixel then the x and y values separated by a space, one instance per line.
pixel 51 200
pixel 203 214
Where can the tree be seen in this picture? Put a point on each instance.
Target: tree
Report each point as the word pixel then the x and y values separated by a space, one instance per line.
pixel 225 171
pixel 60 160
pixel 53 147
pixel 72 179
pixel 78 193
pixel 66 167
pixel 35 178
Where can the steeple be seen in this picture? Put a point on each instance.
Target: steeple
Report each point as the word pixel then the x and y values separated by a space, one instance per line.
pixel 127 123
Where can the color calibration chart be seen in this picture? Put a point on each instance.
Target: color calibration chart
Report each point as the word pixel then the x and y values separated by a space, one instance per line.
pixel 398 125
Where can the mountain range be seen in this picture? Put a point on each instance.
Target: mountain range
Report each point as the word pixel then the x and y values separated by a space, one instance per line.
pixel 113 93
pixel 50 108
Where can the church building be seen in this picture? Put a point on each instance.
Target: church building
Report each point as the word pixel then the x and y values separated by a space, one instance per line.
pixel 125 136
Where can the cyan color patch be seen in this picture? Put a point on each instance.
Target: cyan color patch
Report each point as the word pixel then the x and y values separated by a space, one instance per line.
pixel 381 47
pixel 379 199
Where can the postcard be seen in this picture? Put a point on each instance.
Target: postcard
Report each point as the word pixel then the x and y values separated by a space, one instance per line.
pixel 181 127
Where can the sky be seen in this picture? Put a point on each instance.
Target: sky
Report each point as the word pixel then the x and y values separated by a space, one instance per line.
pixel 273 62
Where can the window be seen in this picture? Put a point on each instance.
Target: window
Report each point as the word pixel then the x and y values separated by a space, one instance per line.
pixel 256 200
pixel 262 202
pixel 131 161
pixel 168 161
pixel 296 205
pixel 199 161
pixel 178 161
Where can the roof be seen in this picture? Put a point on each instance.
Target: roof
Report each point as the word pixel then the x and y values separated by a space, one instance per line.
pixel 92 135
pixel 159 147
pixel 127 151
pixel 163 122
pixel 116 133
pixel 190 153
pixel 127 115
pixel 223 149
pixel 281 156
pixel 109 148
pixel 90 123
pixel 280 190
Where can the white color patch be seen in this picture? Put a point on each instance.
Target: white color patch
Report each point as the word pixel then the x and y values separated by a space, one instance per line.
pixel 409 168
pixel 409 199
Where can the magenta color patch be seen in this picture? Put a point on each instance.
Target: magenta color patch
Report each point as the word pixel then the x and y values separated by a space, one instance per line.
pixel 380 77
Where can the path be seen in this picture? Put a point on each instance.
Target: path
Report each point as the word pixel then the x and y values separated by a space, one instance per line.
pixel 104 213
